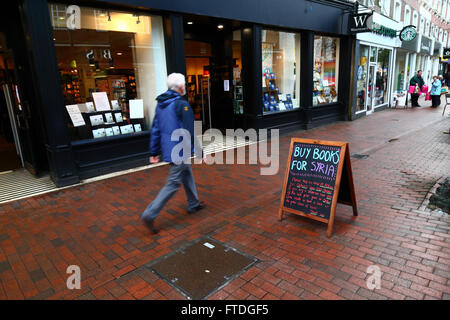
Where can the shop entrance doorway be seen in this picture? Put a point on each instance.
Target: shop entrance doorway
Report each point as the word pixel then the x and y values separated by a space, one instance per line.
pixel 199 88
pixel 370 89
pixel 11 157
pixel 209 71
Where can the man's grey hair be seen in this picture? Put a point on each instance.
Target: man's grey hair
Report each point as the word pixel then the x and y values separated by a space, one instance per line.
pixel 175 80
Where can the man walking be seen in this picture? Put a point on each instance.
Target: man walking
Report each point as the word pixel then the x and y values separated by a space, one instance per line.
pixel 417 82
pixel 173 113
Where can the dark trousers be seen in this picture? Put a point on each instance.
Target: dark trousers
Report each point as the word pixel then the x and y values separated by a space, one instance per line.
pixel 414 99
pixel 178 174
pixel 435 100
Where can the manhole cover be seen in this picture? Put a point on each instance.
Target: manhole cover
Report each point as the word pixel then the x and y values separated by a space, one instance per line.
pixel 202 267
pixel 360 156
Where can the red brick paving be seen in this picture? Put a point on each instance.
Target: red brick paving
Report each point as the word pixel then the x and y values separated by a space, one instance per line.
pixel 96 226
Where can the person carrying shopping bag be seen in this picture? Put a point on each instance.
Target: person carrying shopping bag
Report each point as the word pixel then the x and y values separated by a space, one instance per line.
pixel 416 82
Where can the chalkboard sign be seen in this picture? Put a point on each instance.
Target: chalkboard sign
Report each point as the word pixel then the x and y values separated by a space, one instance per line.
pixel 313 185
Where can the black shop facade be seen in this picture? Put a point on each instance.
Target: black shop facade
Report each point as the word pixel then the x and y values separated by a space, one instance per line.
pixel 83 75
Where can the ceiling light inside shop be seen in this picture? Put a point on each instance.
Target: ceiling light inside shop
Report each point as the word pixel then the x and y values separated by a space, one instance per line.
pixel 190 22
pixel 119 53
pixel 220 26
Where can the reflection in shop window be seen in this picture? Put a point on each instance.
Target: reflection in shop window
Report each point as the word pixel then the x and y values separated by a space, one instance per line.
pixel 238 88
pixel 362 78
pixel 121 54
pixel 325 74
pixel 280 67
pixel 381 77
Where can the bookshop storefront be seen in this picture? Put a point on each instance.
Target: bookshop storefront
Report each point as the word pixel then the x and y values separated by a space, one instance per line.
pixel 98 67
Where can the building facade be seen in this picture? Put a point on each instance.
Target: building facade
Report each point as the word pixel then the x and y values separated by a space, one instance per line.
pixel 378 86
pixel 81 77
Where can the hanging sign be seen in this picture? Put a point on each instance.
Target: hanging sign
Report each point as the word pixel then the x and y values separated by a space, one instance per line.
pixel 446 53
pixel 408 33
pixel 360 22
pixel 318 176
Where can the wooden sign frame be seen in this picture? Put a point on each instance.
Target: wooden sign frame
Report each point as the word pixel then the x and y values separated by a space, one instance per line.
pixel 344 158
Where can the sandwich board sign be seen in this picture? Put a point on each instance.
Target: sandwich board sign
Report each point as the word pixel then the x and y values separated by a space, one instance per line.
pixel 318 176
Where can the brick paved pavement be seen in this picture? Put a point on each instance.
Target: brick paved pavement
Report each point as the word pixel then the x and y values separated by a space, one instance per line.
pixel 96 226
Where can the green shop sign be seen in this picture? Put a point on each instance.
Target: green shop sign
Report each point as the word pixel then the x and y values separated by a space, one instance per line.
pixel 408 33
pixel 384 31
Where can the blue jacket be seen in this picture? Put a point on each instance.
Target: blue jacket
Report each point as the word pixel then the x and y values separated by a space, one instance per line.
pixel 172 112
pixel 436 88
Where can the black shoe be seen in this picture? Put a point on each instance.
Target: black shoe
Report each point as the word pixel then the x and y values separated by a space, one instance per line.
pixel 151 226
pixel 200 206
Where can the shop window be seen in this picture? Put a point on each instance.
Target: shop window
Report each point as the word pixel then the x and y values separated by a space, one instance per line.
pixel 362 78
pixel 238 89
pixel 399 72
pixel 112 66
pixel 382 77
pixel 373 54
pixel 280 67
pixel 325 73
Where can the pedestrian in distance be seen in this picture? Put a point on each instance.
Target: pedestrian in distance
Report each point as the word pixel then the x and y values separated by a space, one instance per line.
pixel 435 92
pixel 418 83
pixel 173 115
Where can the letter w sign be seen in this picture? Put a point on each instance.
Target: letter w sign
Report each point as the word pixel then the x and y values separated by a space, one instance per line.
pixel 360 22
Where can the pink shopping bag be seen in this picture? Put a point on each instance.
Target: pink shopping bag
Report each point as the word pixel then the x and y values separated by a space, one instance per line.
pixel 411 89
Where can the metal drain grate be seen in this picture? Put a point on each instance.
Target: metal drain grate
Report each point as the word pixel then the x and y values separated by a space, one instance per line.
pixel 360 156
pixel 20 184
pixel 201 268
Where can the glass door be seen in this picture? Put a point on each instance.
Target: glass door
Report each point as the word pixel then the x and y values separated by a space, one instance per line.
pixel 205 93
pixel 370 88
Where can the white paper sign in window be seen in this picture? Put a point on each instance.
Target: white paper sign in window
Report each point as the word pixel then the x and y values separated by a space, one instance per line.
pixel 75 115
pixel 101 101
pixel 137 109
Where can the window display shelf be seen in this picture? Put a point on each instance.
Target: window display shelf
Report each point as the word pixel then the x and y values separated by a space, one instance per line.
pixel 108 139
pixel 266 113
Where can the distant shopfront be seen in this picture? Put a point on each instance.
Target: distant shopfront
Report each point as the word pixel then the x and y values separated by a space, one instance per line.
pixel 373 73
